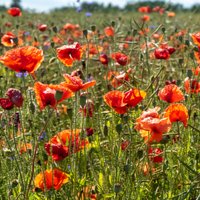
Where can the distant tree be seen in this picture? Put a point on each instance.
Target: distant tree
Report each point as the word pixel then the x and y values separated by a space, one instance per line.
pixel 16 3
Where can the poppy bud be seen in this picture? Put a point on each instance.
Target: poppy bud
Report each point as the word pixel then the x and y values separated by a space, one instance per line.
pixel 88 108
pixel 89 131
pixel 15 96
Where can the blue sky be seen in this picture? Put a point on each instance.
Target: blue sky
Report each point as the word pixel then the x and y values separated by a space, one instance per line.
pixel 45 5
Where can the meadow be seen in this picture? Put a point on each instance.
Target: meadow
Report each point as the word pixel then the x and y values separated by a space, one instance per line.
pixel 100 105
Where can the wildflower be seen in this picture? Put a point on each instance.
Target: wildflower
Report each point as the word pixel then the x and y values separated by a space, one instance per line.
pixel 171 94
pixel 196 38
pixel 88 108
pixel 191 85
pixel 145 18
pixel 23 59
pixel 8 39
pixel 49 179
pixel 46 94
pixel 88 14
pixel 120 58
pixel 67 54
pixel 155 155
pixel 103 58
pixel 15 12
pixel 124 145
pixel 74 83
pixel 162 53
pixel 42 27
pixel 177 112
pixel 144 9
pixel 109 31
pixel 65 143
pixel 25 147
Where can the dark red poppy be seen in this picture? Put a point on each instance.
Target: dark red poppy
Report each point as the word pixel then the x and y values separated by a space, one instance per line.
pixel 42 27
pixel 6 103
pixel 23 59
pixel 120 58
pixel 103 58
pixel 67 54
pixel 15 96
pixel 15 12
pixel 191 85
pixel 162 53
pixel 155 155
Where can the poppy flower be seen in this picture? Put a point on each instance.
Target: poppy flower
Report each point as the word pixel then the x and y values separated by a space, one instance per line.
pixel 144 9
pixel 42 27
pixel 145 18
pixel 191 85
pixel 74 83
pixel 103 58
pixel 88 108
pixel 70 27
pixel 14 98
pixel 46 94
pixel 109 31
pixel 196 38
pixel 25 147
pixel 93 49
pixel 171 94
pixel 120 58
pixel 155 155
pixel 197 55
pixel 124 145
pixel 134 96
pixel 15 12
pixel 118 80
pixel 49 179
pixel 115 100
pixel 177 112
pixel 196 71
pixel 67 54
pixel 8 39
pixel 23 59
pixel 171 14
pixel 161 54
pixel 65 143
pixel 151 126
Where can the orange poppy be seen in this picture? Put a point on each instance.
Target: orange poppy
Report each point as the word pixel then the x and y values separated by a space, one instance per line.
pixel 65 143
pixel 46 94
pixel 109 31
pixel 197 55
pixel 14 11
pixel 25 147
pixel 67 54
pixel 145 18
pixel 177 112
pixel 151 126
pixel 115 100
pixel 74 83
pixel 93 49
pixel 51 179
pixel 70 27
pixel 196 38
pixel 8 39
pixel 23 59
pixel 196 71
pixel 171 14
pixel 134 96
pixel 120 58
pixel 171 94
pixel 191 85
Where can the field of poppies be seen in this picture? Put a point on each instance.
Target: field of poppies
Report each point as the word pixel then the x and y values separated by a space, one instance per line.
pixel 100 105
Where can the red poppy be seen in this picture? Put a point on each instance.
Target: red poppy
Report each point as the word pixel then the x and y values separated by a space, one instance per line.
pixel 120 58
pixel 144 9
pixel 177 112
pixel 145 18
pixel 67 54
pixel 134 96
pixel 70 27
pixel 6 103
pixel 15 12
pixel 88 108
pixel 162 53
pixel 196 38
pixel 109 31
pixel 155 155
pixel 65 143
pixel 74 83
pixel 191 85
pixel 93 49
pixel 197 55
pixel 23 59
pixel 171 94
pixel 51 179
pixel 42 27
pixel 46 94
pixel 103 58
pixel 124 145
pixel 115 100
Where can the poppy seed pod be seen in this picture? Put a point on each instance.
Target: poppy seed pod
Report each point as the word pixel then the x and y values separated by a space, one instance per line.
pixel 15 96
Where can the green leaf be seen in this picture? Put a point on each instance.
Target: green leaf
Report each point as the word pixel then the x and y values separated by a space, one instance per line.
pixel 58 95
